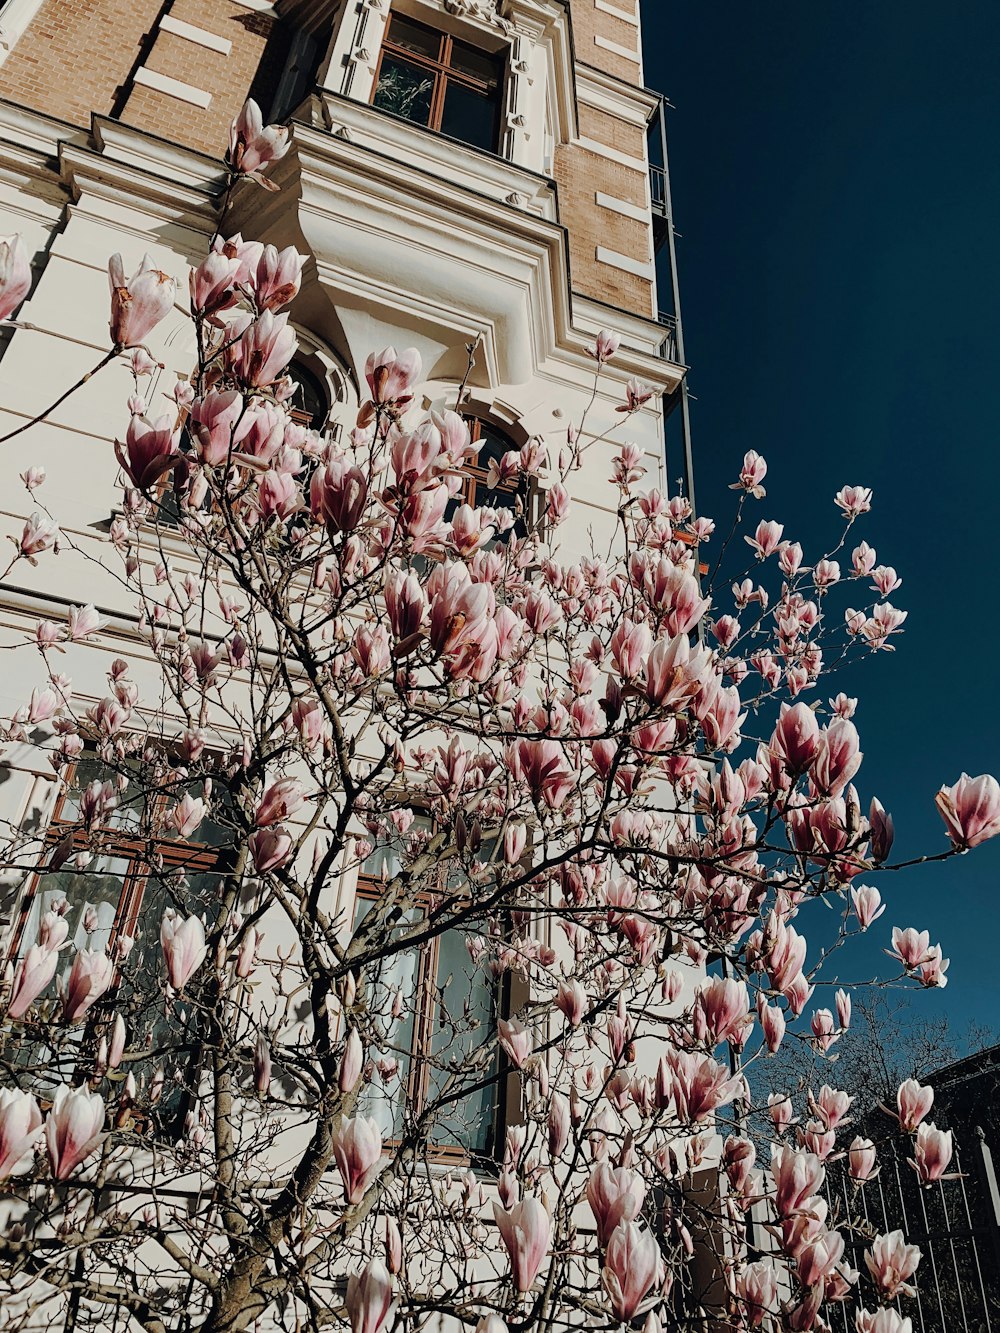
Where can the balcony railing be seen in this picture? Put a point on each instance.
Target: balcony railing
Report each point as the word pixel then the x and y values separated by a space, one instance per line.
pixel 668 347
pixel 658 199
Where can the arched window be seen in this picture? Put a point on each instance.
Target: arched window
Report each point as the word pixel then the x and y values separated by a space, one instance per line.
pixel 476 489
pixel 310 404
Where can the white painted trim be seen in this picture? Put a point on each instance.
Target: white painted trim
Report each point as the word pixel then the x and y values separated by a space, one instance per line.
pixel 635 266
pixel 612 154
pixel 618 50
pixel 163 83
pixel 617 13
pixel 14 18
pixel 622 206
pixel 200 36
pixel 259 6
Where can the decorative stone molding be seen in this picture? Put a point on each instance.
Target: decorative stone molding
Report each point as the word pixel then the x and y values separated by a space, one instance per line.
pixel 482 11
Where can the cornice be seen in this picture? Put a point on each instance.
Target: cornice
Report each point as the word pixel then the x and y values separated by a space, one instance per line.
pixel 130 168
pixel 625 100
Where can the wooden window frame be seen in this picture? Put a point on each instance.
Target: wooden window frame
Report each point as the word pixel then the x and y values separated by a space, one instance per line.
pixel 442 72
pixel 122 843
pixel 416 1084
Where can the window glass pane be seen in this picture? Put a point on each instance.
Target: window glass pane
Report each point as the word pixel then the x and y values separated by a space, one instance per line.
pixel 404 89
pixel 414 36
pixel 384 1098
pixel 462 1023
pixel 480 65
pixel 470 116
pixel 128 812
pixel 93 899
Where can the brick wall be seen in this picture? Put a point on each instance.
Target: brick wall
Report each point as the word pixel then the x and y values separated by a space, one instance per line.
pixel 80 56
pixel 590 22
pixel 253 66
pixel 77 56
pixel 582 174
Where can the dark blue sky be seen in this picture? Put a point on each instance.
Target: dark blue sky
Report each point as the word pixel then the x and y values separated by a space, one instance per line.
pixel 836 183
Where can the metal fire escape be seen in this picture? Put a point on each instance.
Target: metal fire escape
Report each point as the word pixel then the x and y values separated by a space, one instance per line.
pixel 664 235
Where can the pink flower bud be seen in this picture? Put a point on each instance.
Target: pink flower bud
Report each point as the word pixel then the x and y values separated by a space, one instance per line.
pixel 183 945
pixel 20 1130
pixel 15 274
pixel 352 1063
pixel 73 1129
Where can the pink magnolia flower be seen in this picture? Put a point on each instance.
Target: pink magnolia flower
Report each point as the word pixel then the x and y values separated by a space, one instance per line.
pixel 280 801
pixel 843 1000
pixel 637 395
pixel 825 574
pixel 779 1108
pixel 854 500
pixel 278 277
pixel 824 1029
pixel 278 496
pixel 150 449
pixel 862 1157
pixel 863 559
pixel 357 1146
pixel 615 1194
pixel 39 534
pixel 819 1257
pixel 543 766
pixel 722 1012
pixel 796 738
pixel 932 1152
pixel 838 757
pixel 525 1231
pixel 571 1000
pixel 891 1263
pixel 767 539
pixel 73 1129
pixel 369 1298
pixel 757 1288
pixel 211 424
pixel 183 945
pixel 89 977
pixel 970 809
pixel 211 285
pixel 868 905
pixel 633 1266
pixel 338 493
pixel 187 815
pixel 265 349
pixel 138 303
pixel 797 1176
pixel 270 848
pixel 15 274
pixel 20 1130
pixel 391 377
pixel 252 146
pixel 913 1102
pixel 885 1320
pixel 772 1022
pixel 605 347
pixel 31 976
pixel 516 1040
pixel 752 473
pixel 695 1084
pixel 911 947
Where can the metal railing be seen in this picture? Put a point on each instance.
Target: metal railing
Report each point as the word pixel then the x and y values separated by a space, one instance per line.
pixel 954 1223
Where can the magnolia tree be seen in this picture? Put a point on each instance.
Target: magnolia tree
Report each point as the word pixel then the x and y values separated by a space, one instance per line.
pixel 592 813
